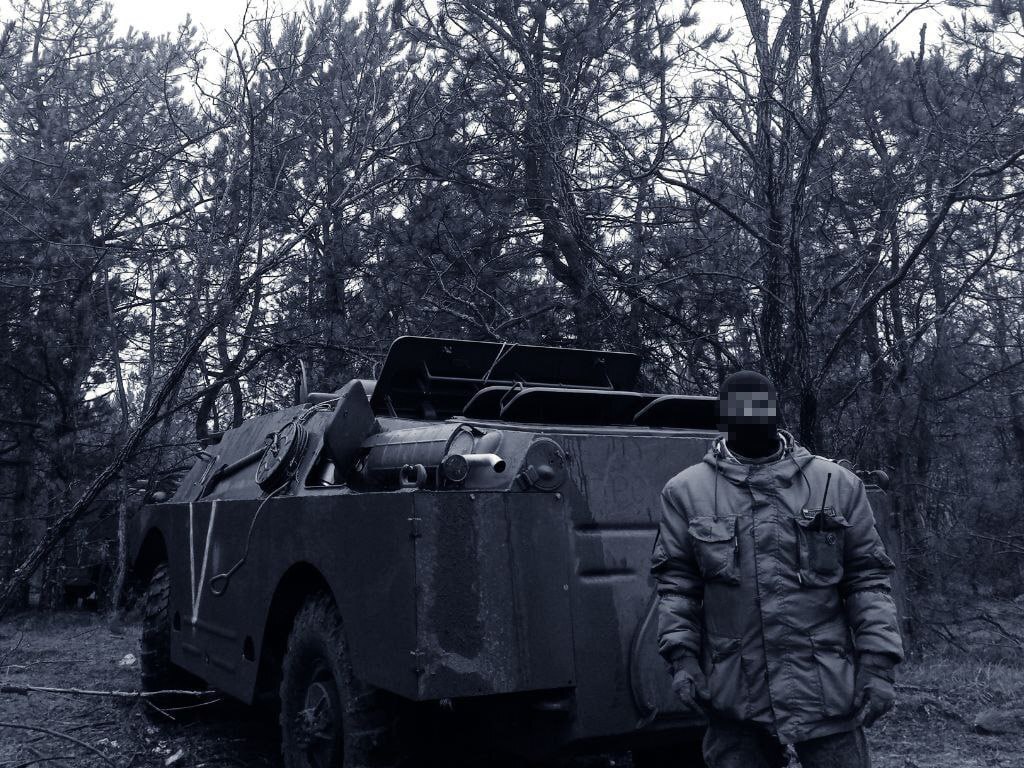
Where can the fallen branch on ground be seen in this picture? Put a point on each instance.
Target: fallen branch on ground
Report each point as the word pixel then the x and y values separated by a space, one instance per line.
pixel 59 735
pixel 24 690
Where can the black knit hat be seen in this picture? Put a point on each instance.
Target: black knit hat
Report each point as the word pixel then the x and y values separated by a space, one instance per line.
pixel 745 381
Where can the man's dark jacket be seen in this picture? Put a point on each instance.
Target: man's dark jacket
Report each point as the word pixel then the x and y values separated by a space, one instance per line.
pixel 775 595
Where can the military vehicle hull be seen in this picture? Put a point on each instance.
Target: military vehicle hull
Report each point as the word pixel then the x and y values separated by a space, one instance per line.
pixel 451 594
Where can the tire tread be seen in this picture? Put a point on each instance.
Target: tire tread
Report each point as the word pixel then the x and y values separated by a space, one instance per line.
pixel 369 720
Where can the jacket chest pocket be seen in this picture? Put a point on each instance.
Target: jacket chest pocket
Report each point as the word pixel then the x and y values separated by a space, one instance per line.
pixel 716 545
pixel 820 535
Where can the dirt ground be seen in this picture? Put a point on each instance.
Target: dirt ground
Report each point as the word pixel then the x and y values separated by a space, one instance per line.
pixel 933 725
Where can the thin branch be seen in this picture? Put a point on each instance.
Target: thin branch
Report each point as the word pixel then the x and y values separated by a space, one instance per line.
pixel 59 735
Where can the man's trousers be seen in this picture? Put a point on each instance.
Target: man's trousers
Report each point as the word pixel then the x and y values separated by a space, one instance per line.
pixel 742 745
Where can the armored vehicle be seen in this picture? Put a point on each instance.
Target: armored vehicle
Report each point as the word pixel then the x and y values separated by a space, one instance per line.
pixel 467 536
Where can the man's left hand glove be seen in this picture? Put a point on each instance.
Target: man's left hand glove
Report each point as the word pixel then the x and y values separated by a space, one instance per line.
pixel 875 691
pixel 690 684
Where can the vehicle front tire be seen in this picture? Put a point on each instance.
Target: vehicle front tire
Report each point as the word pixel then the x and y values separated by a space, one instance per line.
pixel 329 718
pixel 158 673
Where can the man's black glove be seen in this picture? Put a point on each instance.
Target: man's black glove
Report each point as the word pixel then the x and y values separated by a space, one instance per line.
pixel 875 692
pixel 690 684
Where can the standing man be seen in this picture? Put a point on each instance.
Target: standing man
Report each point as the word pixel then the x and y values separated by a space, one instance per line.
pixel 774 602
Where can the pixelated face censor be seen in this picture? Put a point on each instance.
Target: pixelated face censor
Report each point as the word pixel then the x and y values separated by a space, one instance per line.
pixel 748 408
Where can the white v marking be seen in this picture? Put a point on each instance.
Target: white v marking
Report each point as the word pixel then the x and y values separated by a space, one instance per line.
pixel 191 553
pixel 197 589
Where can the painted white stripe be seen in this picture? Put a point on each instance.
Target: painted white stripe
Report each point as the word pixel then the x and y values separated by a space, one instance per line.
pixel 197 597
pixel 191 553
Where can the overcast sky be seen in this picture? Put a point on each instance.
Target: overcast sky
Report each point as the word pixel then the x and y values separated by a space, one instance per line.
pixel 219 17
pixel 213 16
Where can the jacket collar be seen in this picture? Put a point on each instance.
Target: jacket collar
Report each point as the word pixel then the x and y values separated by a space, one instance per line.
pixel 792 461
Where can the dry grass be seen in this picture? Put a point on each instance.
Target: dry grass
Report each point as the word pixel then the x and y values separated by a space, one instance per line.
pixel 933 723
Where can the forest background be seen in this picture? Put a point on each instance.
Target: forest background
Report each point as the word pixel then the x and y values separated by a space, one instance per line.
pixel 182 224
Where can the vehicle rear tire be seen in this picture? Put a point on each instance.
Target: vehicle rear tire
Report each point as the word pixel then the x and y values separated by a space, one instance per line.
pixel 158 673
pixel 329 718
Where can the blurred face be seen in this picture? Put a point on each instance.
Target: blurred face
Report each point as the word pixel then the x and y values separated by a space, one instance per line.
pixel 748 408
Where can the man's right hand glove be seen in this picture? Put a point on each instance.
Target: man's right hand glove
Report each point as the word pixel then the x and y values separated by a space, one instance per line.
pixel 690 684
pixel 875 691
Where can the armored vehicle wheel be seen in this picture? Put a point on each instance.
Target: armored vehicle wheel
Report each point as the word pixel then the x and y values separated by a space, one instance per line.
pixel 158 673
pixel 330 719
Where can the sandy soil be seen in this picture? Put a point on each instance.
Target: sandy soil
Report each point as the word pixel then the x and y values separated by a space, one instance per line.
pixel 933 726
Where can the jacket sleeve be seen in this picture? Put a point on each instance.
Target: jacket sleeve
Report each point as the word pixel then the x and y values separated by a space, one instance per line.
pixel 679 584
pixel 866 588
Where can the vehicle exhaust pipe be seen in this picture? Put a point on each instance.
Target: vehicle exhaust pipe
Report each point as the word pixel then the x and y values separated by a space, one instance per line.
pixel 457 466
pixel 492 460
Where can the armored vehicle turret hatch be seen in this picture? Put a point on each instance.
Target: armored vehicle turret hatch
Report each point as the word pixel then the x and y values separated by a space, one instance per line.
pixel 470 533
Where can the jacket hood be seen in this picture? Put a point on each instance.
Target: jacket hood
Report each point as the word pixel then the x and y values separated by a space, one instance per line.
pixel 785 469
